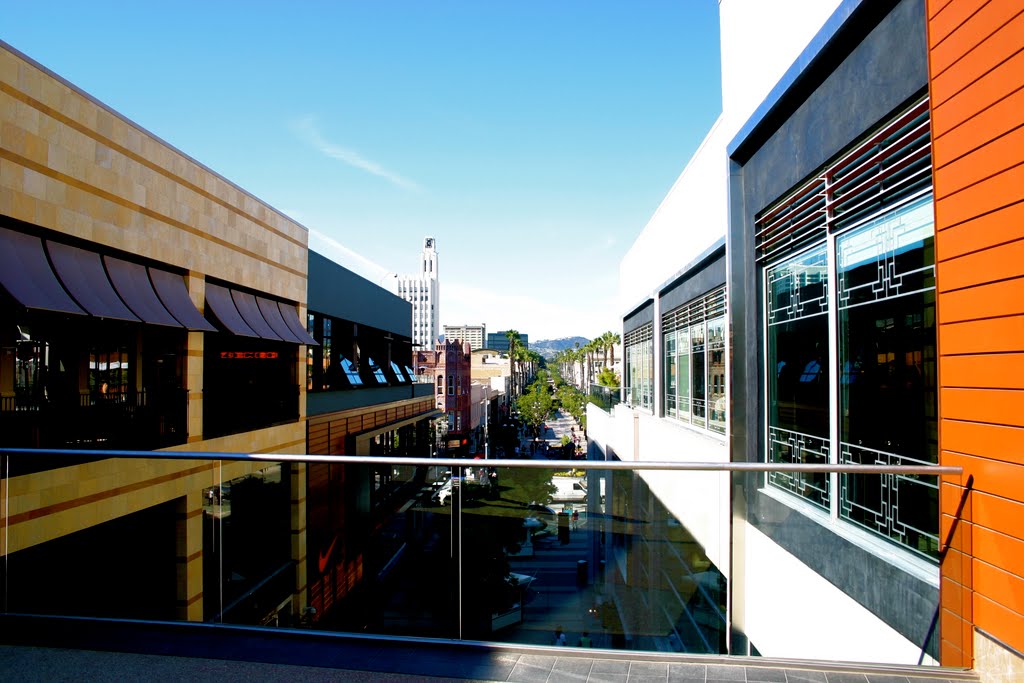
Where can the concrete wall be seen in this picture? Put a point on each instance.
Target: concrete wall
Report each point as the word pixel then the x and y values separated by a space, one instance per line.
pixel 338 292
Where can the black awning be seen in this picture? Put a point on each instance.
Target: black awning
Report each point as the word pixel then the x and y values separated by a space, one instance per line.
pixel 132 282
pixel 219 300
pixel 272 314
pixel 26 274
pixel 250 311
pixel 174 295
pixel 291 318
pixel 83 276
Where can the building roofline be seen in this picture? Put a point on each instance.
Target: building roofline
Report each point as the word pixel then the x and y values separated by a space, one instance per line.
pixel 74 88
pixel 827 49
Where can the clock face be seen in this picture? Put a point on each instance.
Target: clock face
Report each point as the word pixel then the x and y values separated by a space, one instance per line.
pixel 429 243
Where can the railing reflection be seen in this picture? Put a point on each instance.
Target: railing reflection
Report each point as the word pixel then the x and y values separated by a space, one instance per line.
pixel 496 550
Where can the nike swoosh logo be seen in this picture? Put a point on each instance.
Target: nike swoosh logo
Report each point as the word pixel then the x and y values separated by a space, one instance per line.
pixel 322 564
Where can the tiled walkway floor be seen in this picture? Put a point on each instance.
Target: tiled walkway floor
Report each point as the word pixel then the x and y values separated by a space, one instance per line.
pixel 23 663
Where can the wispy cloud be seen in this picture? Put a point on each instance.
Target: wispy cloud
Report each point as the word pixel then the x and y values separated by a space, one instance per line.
pixel 306 129
pixel 339 253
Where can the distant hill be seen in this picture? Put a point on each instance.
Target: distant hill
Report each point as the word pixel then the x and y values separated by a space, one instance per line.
pixel 547 348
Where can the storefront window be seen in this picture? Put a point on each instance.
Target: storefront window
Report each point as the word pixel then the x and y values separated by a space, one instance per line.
pixel 108 374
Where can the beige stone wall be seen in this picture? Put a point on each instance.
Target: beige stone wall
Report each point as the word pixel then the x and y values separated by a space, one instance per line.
pixel 69 164
pixel 50 504
pixel 994 663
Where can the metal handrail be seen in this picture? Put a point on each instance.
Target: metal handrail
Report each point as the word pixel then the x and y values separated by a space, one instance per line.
pixel 935 470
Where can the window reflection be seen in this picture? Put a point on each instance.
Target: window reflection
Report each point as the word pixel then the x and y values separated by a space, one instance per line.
pixel 887 390
pixel 798 421
pixel 694 347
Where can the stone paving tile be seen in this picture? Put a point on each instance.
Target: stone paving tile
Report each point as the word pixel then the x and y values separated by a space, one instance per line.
pixel 606 677
pixel 757 674
pixel 685 673
pixel 805 676
pixel 574 664
pixel 723 672
pixel 845 677
pixel 531 672
pixel 571 669
pixel 887 678
pixel 648 670
pixel 611 666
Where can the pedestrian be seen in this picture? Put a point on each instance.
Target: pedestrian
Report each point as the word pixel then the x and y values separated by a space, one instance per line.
pixel 575 519
pixel 585 640
pixel 559 637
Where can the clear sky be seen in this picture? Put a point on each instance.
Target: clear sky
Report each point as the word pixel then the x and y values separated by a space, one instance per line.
pixel 533 139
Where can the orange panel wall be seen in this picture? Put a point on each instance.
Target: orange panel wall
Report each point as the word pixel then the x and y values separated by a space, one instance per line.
pixel 976 65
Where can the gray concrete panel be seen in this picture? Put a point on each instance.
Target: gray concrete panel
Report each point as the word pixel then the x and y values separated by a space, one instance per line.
pixel 338 292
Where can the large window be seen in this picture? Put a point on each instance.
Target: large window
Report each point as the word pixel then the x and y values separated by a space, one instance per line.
pixel 850 334
pixel 694 347
pixel 639 351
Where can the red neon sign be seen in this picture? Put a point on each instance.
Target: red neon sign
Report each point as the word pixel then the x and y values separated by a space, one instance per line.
pixel 256 355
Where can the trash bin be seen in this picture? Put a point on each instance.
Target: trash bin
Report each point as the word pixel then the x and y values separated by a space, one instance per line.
pixel 581 572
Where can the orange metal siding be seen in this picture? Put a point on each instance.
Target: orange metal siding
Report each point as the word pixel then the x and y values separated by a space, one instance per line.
pixel 976 65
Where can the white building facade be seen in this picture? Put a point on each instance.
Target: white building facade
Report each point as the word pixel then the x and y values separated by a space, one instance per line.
pixel 422 291
pixel 474 334
pixel 786 565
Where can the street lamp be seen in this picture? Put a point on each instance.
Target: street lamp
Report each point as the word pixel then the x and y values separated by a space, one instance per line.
pixel 487 446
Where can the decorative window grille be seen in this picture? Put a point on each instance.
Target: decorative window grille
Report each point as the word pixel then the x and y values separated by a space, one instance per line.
pixel 849 319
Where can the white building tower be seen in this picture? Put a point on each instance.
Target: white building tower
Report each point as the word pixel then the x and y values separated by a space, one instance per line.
pixel 421 290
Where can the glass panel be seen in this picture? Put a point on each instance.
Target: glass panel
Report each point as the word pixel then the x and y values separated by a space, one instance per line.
pixel 716 375
pixel 613 559
pixel 697 373
pixel 887 388
pixel 798 371
pixel 683 373
pixel 670 374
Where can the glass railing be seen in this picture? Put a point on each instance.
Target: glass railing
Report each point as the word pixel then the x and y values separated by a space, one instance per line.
pixel 611 555
pixel 145 419
pixel 605 398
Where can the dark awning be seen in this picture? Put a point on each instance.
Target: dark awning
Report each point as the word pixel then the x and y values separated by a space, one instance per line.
pixel 83 276
pixel 132 282
pixel 26 274
pixel 272 314
pixel 250 311
pixel 219 300
pixel 174 295
pixel 291 318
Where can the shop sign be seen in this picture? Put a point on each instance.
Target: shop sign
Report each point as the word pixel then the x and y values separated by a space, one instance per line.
pixel 248 355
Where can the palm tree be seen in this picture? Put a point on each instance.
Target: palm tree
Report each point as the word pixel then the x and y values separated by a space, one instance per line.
pixel 591 349
pixel 613 340
pixel 514 343
pixel 581 355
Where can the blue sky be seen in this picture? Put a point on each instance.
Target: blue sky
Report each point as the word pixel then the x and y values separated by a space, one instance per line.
pixel 533 139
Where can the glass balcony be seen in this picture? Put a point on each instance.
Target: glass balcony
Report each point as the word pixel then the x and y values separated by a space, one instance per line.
pixel 610 555
pixel 137 420
pixel 605 398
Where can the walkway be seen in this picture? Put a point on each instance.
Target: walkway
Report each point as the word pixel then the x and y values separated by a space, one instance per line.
pixel 259 658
